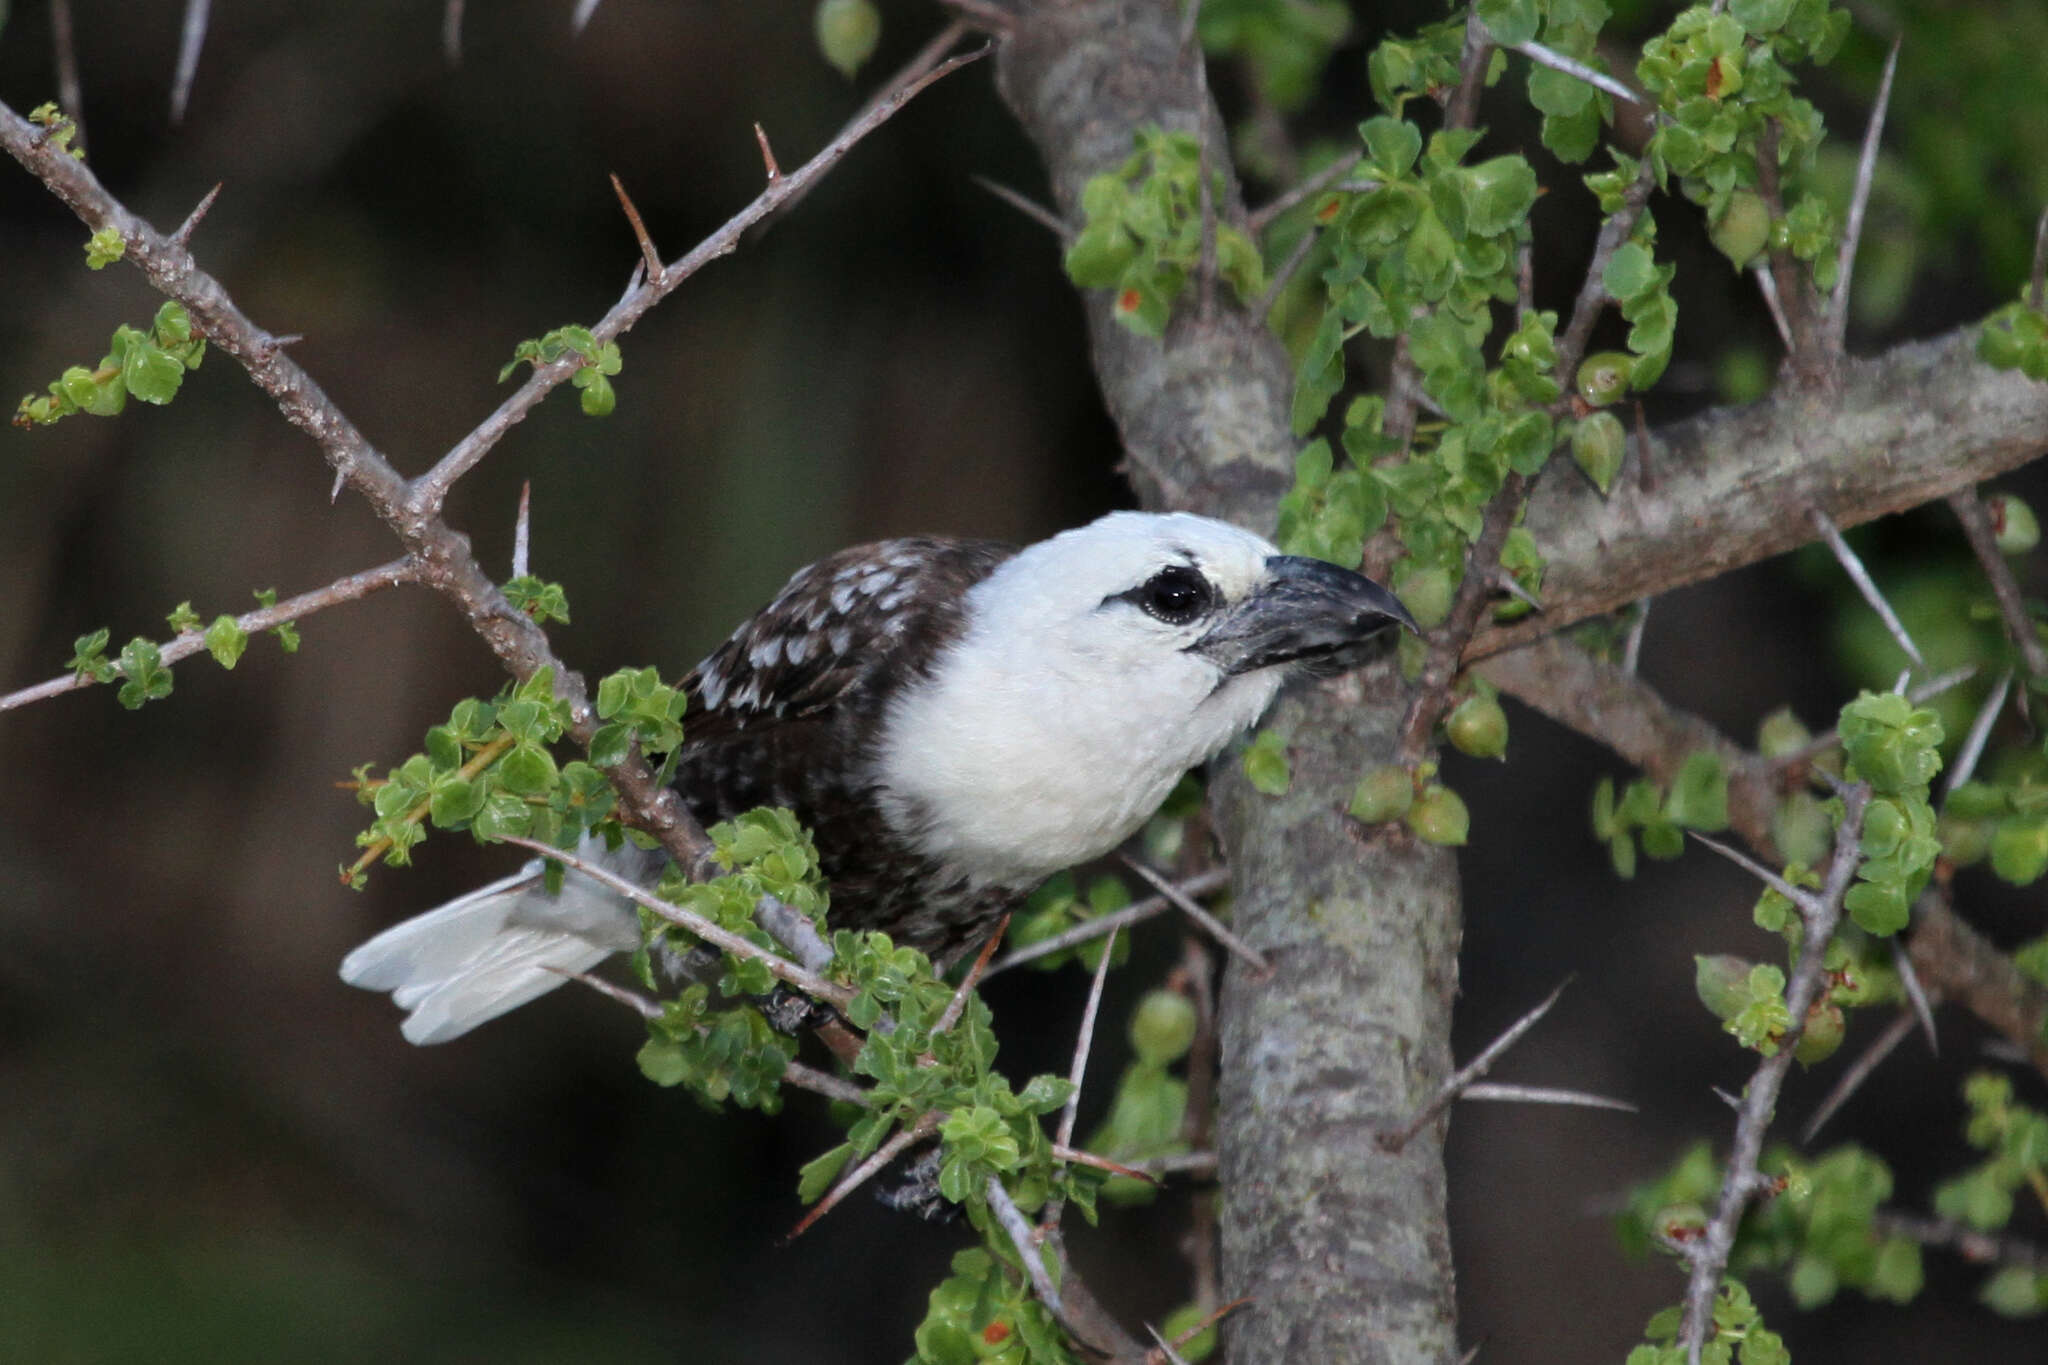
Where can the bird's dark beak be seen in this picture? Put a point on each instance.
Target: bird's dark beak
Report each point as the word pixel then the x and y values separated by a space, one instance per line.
pixel 1308 612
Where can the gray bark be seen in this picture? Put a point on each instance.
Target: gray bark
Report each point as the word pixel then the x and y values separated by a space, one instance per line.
pixel 1343 1248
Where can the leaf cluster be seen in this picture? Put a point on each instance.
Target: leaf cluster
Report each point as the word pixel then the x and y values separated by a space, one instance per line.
pixel 1737 1335
pixel 148 363
pixel 981 1314
pixel 1697 799
pixel 1059 905
pixel 1895 747
pixel 1142 232
pixel 596 362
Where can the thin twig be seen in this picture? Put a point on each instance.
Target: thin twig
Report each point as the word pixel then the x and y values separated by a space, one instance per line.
pixel 1859 1071
pixel 648 255
pixel 898 1143
pixel 350 589
pixel 1742 1182
pixel 1201 884
pixel 430 491
pixel 522 530
pixel 1767 285
pixel 1077 1070
pixel 1205 194
pixel 1593 295
pixel 1923 1006
pixel 451 32
pixel 1081 1157
pixel 64 52
pixel 1543 1094
pixel 1285 272
pixel 781 968
pixel 1632 646
pixel 954 1007
pixel 1925 692
pixel 1030 208
pixel 191 38
pixel 1965 762
pixel 1467 1074
pixel 584 9
pixel 2037 285
pixel 1027 1243
pixel 1798 895
pixel 1172 1356
pixel 1865 584
pixel 1859 201
pixel 183 236
pixel 768 166
pixel 1599 80
pixel 1974 1246
pixel 1262 217
pixel 632 1000
pixel 2005 589
pixel 1212 926
pixel 1473 59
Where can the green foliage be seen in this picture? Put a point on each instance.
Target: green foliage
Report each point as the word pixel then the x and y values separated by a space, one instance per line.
pixel 1058 906
pixel 1285 44
pixel 142 666
pixel 287 632
pixel 488 770
pixel 2015 337
pixel 984 1313
pixel 1738 1335
pixel 1723 83
pixel 1698 799
pixel 1148 1113
pixel 55 123
pixel 104 248
pixel 1894 746
pixel 544 602
pixel 595 364
pixel 149 364
pixel 1142 234
pixel 1329 512
pixel 2016 1141
pixel 1266 765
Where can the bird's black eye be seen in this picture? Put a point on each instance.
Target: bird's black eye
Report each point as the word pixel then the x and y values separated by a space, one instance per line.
pixel 1176 594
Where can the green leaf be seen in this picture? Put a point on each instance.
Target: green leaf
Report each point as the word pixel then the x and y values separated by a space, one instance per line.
pixel 151 373
pixel 1699 795
pixel 1761 17
pixel 1511 21
pixel 1392 145
pixel 146 677
pixel 527 770
pixel 1630 271
pixel 818 1174
pixel 225 641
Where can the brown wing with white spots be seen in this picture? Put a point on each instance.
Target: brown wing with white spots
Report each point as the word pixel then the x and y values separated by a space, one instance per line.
pixel 785 713
pixel 866 615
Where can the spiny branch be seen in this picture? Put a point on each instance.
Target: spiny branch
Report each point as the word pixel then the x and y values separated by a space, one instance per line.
pixel 350 589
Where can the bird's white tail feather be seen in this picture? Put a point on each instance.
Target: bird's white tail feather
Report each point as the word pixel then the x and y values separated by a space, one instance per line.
pixel 490 951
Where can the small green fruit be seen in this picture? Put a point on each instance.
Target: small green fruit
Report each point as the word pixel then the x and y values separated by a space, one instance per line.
pixel 1603 376
pixel 1426 592
pixel 1163 1027
pixel 1383 794
pixel 1477 726
pixel 2019 530
pixel 1439 817
pixel 847 33
pixel 1722 982
pixel 1598 444
pixel 1825 1029
pixel 1743 228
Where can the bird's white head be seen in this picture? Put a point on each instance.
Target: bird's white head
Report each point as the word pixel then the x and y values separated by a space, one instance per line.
pixel 1093 670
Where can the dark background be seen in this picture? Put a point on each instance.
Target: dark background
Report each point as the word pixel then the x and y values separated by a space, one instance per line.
pixel 211 1150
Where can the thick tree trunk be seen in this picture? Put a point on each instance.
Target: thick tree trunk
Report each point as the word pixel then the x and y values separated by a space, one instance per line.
pixel 1342 1248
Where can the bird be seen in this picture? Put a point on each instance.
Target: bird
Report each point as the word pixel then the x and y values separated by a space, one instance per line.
pixel 954 720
